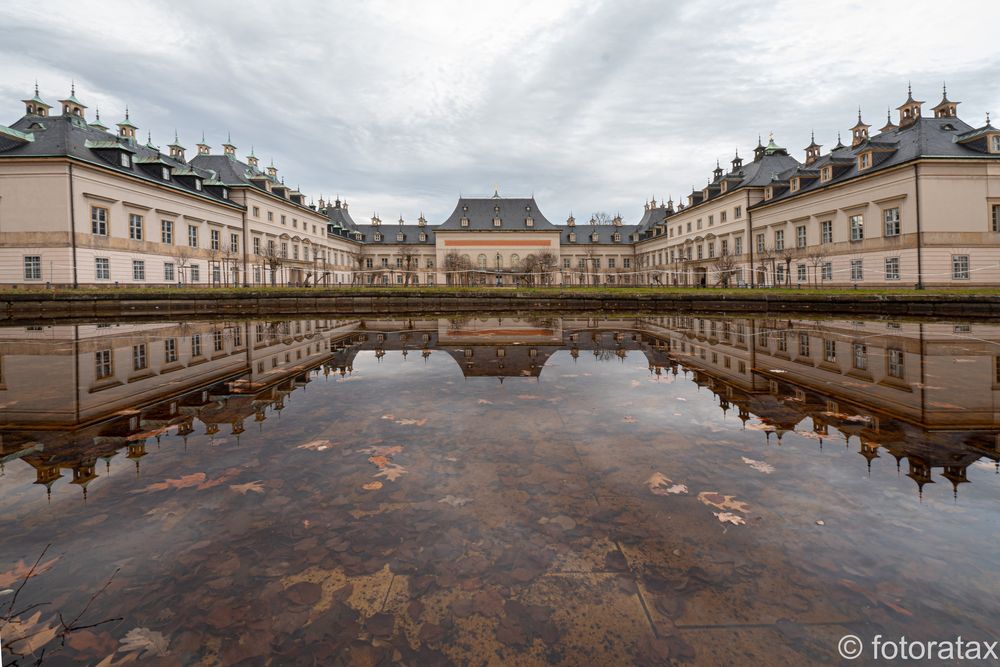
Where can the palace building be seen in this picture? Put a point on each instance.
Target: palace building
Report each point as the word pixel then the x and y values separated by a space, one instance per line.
pixel 916 203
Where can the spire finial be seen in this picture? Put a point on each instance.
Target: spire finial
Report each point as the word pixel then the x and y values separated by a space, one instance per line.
pixel 176 140
pixel 72 88
pixel 944 88
pixel 126 112
pixel 149 137
pixel 859 113
pixel 987 117
pixel 909 89
pixel 36 87
pixel 203 136
pixel 97 113
pixel 888 115
pixel 229 137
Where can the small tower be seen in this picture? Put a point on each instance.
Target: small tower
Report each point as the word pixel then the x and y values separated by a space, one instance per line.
pixel 72 106
pixel 737 161
pixel 176 150
pixel 375 220
pixel 97 124
pixel 254 162
pixel 421 221
pixel 945 108
pixel 401 220
pixel 909 111
pixel 36 106
pixel 812 150
pixel 228 148
pixel 203 148
pixel 859 133
pixel 717 172
pixel 840 144
pixel 889 125
pixel 617 220
pixel 126 129
pixel 758 152
pixel 272 171
pixel 571 221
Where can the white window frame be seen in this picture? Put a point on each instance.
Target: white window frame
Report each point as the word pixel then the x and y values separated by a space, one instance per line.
pixel 99 220
pixel 32 265
pixel 167 232
pixel 826 231
pixel 857 227
pixel 192 236
pixel 891 222
pixel 857 269
pixel 139 270
pixel 102 268
pixel 135 226
pixel 960 267
pixel 168 272
pixel 892 268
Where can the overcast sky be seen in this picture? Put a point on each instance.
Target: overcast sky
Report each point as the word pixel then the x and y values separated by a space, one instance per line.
pixel 591 106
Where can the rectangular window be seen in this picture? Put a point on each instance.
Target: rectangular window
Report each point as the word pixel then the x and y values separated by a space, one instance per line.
pixel 170 350
pixel 270 216
pixel 139 360
pixel 99 220
pixel 891 221
pixel 760 243
pixel 256 211
pixel 800 236
pixel 126 160
pixel 216 274
pixel 103 366
pixel 857 227
pixel 779 239
pixel 626 263
pixel 827 271
pixel 995 143
pixel 892 268
pixel 256 245
pixel 195 273
pixel 234 243
pixel 213 239
pixel 801 274
pixel 135 227
pixel 32 267
pixel 996 217
pixel 192 236
pixel 217 341
pixel 860 356
pixel 138 269
pixel 722 216
pixel 830 350
pixel 960 267
pixel 738 212
pixel 196 345
pixel 724 247
pixel 168 272
pixel 895 363
pixel 284 249
pixel 738 245
pixel 102 268
pixel 167 232
pixel 826 231
pixel 857 270
pixel 803 345
pixel 611 262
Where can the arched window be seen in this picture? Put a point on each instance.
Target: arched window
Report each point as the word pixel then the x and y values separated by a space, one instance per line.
pixel 481 261
pixel 515 260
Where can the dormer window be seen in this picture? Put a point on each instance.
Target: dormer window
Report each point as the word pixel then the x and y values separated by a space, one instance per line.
pixel 864 161
pixel 166 173
pixel 617 237
pixel 825 174
pixel 995 143
pixel 197 184
pixel 378 236
pixel 572 237
pixel 594 237
pixel 529 222
pixel 126 160
pixel 464 222
pixel 497 222
pixel 399 236
pixel 225 193
pixel 793 185
pixel 423 236
pixel 724 187
pixel 768 192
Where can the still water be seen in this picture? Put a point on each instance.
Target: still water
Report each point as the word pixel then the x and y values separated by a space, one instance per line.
pixel 495 490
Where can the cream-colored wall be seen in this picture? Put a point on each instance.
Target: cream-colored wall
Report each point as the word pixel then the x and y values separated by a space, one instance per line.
pixel 486 243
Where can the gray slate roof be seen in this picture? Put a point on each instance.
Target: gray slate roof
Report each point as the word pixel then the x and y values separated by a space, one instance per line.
pixel 411 234
pixel 70 136
pixel 605 234
pixel 481 210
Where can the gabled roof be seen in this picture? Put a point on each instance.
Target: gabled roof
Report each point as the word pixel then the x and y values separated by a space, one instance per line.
pixel 605 234
pixel 481 211
pixel 411 234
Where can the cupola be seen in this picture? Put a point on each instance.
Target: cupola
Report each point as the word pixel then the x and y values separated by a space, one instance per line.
pixel 176 150
pixel 72 106
pixel 909 111
pixel 36 106
pixel 758 152
pixel 737 161
pixel 812 150
pixel 889 125
pixel 421 221
pixel 571 221
pixel 126 129
pixel 717 172
pixel 945 108
pixel 203 148
pixel 859 133
pixel 272 171
pixel 375 220
pixel 97 124
pixel 228 148
pixel 254 162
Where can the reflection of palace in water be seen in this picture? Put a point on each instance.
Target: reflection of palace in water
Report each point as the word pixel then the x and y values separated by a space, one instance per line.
pixel 73 396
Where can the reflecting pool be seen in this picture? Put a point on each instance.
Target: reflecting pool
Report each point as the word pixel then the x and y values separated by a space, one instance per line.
pixel 495 490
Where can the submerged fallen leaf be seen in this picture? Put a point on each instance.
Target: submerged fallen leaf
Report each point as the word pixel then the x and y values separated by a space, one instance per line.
pixel 194 479
pixel 561 520
pixel 483 401
pixel 729 517
pixel 661 485
pixel 405 421
pixel 28 635
pixel 382 450
pixel 143 640
pixel 455 501
pixel 629 419
pixel 379 462
pixel 372 486
pixel 765 468
pixel 21 570
pixel 243 489
pixel 719 501
pixel 392 472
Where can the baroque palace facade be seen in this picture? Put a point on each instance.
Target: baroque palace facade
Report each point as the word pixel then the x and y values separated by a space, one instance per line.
pixel 917 203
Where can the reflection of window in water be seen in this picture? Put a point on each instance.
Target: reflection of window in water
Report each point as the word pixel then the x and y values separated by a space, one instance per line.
pixel 860 356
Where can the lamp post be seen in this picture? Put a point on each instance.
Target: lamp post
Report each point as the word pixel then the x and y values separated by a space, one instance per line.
pixel 498 270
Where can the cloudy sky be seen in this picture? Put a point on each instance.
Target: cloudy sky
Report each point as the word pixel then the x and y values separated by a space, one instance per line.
pixel 592 106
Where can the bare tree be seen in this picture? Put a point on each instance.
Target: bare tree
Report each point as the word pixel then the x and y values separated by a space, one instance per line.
pixel 765 256
pixel 547 264
pixel 787 255
pixel 457 269
pixel 815 257
pixel 183 257
pixel 408 258
pixel 600 218
pixel 272 259
pixel 724 266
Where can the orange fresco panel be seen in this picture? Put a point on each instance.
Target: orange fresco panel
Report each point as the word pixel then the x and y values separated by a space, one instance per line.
pixel 494 244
